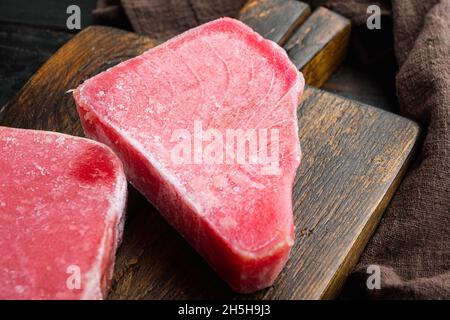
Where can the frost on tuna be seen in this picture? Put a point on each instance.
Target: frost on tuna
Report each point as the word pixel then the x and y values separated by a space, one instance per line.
pixel 223 75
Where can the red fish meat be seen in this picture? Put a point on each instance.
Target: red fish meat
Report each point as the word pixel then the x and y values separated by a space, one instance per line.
pixel 62 201
pixel 206 127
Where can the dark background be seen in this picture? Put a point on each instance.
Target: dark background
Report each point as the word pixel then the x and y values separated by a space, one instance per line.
pixel 31 31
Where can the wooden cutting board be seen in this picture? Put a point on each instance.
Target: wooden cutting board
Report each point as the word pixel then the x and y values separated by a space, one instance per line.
pixel 354 158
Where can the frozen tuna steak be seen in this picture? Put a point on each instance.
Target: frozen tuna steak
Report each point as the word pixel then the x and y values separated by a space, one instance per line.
pixel 62 202
pixel 206 127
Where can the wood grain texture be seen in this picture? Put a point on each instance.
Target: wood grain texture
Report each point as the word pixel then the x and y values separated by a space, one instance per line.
pixel 354 157
pixel 88 53
pixel 318 47
pixel 45 13
pixel 274 19
pixel 23 49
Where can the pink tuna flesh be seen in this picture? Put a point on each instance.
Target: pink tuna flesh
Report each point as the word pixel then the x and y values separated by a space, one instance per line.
pixel 62 202
pixel 173 114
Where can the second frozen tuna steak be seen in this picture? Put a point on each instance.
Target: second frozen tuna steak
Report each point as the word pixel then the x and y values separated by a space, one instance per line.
pixel 206 127
pixel 62 203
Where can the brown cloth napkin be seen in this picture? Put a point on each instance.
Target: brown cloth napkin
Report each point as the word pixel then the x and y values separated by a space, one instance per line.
pixel 163 19
pixel 412 243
